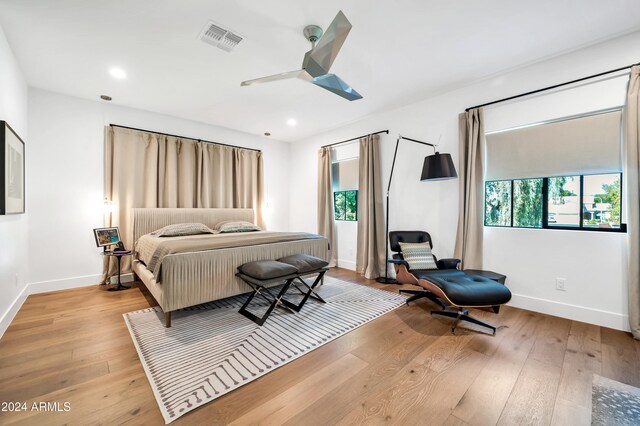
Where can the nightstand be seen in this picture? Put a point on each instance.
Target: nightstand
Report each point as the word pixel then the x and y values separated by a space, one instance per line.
pixel 118 255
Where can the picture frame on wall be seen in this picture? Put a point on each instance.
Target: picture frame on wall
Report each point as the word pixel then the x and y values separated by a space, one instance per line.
pixel 12 190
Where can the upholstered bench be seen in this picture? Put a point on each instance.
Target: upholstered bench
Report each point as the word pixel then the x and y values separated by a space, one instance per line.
pixel 290 270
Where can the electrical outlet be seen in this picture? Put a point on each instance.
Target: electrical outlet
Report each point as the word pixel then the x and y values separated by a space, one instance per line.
pixel 561 284
pixel 16 280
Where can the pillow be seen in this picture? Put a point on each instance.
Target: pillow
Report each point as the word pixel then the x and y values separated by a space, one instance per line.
pixel 418 256
pixel 181 229
pixel 229 226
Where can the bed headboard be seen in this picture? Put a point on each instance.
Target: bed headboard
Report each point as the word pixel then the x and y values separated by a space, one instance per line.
pixel 149 220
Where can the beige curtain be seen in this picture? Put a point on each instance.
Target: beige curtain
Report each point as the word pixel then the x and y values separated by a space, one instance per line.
pixel 152 170
pixel 470 220
pixel 631 170
pixel 326 225
pixel 370 260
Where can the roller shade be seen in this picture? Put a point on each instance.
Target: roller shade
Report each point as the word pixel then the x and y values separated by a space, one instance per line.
pixel 584 145
pixel 345 175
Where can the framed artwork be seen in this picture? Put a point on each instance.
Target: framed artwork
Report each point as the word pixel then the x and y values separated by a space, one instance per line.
pixel 106 236
pixel 11 171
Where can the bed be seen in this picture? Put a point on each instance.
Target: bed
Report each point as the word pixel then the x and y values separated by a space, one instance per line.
pixel 191 277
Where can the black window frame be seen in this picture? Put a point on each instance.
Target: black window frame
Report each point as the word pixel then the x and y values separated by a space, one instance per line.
pixel 545 206
pixel 345 207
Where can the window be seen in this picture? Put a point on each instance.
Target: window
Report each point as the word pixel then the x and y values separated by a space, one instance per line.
pixel 346 205
pixel 581 202
pixel 601 201
pixel 564 201
pixel 497 211
pixel 527 203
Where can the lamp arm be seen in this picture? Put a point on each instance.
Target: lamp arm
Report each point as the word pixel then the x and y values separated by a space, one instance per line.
pixel 420 142
pixel 395 154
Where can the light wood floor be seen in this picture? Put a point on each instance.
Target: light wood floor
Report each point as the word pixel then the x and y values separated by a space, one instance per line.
pixel 403 368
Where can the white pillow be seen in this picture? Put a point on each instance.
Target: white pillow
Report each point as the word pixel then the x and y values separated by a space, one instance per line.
pixel 229 226
pixel 181 229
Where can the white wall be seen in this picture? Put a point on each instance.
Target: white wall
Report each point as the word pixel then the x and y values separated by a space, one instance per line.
pixel 531 263
pixel 13 228
pixel 532 259
pixel 65 171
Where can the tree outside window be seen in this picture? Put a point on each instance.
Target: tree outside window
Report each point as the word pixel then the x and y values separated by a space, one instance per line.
pixel 571 202
pixel 346 205
pixel 527 203
pixel 498 203
pixel 601 201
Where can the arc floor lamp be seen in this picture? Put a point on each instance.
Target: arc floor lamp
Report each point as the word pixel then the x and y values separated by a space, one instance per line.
pixel 435 167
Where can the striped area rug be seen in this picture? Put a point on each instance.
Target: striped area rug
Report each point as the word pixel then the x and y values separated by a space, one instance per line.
pixel 211 349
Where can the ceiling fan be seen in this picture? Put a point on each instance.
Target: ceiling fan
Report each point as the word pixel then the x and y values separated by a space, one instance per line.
pixel 318 61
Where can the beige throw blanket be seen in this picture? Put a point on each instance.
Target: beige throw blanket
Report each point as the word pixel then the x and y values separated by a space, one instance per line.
pixel 152 250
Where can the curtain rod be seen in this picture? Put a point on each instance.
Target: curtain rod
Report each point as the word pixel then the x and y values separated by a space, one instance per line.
pixel 183 137
pixel 353 139
pixel 555 86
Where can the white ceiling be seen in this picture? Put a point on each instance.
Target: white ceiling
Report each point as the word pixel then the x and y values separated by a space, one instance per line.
pixel 398 52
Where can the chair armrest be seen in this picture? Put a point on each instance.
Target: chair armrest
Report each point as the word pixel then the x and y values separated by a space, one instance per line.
pixel 448 263
pixel 399 262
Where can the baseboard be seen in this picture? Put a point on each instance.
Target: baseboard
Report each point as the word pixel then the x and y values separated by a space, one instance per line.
pixel 573 312
pixel 63 284
pixel 73 282
pixel 10 314
pixel 347 264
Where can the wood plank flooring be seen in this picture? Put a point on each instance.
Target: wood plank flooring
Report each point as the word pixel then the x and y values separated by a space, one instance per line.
pixel 403 368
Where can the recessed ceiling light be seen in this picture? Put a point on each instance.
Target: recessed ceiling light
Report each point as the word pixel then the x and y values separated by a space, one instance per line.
pixel 118 73
pixel 292 122
pixel 105 97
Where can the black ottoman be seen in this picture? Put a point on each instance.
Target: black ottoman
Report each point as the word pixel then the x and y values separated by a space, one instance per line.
pixel 463 290
pixel 290 270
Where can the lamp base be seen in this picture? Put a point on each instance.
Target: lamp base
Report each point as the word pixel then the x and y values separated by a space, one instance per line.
pixel 385 280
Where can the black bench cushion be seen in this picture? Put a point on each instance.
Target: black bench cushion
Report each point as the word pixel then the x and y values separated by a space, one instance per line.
pixel 467 290
pixel 304 262
pixel 267 269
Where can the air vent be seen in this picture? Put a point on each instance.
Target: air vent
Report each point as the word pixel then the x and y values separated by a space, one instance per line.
pixel 219 36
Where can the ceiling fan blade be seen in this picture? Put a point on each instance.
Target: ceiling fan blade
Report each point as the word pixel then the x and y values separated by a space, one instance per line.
pixel 335 84
pixel 328 47
pixel 302 74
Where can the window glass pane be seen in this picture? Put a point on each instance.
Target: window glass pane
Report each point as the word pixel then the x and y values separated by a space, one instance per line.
pixel 352 205
pixel 601 201
pixel 527 203
pixel 339 202
pixel 497 211
pixel 564 201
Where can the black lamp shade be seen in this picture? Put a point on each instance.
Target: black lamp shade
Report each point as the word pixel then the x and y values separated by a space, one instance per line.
pixel 438 167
